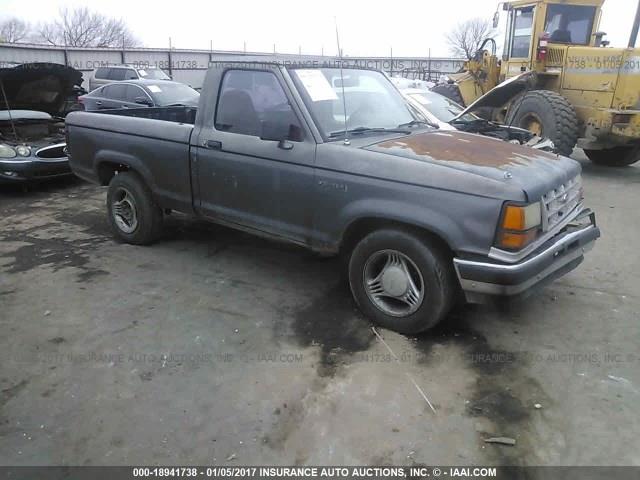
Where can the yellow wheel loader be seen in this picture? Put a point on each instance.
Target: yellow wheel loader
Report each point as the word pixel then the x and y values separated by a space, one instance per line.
pixel 579 92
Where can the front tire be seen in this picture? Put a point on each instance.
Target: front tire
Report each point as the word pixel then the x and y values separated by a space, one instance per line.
pixel 614 157
pixel 401 281
pixel 547 114
pixel 133 214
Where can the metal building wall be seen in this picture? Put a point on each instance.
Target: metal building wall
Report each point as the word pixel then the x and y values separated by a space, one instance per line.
pixel 189 66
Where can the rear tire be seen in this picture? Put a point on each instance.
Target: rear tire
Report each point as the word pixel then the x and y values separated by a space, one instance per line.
pixel 451 91
pixel 549 113
pixel 133 214
pixel 401 281
pixel 614 157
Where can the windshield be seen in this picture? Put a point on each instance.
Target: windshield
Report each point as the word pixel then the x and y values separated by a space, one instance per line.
pixel 174 94
pixel 152 74
pixel 570 23
pixel 440 106
pixel 371 100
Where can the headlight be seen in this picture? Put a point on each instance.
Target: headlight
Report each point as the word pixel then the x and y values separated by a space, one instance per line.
pixel 519 225
pixel 7 152
pixel 23 150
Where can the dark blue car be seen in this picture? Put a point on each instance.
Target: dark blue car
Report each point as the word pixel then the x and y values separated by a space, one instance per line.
pixel 140 93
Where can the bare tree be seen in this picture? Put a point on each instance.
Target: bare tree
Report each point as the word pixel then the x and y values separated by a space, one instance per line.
pixel 13 30
pixel 81 27
pixel 466 37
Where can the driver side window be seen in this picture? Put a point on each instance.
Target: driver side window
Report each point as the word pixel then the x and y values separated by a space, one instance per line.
pixel 251 102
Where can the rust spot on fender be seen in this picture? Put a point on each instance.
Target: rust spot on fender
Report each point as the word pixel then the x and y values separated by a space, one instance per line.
pixel 466 148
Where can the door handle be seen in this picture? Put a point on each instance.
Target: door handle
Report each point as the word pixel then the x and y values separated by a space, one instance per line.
pixel 98 102
pixel 212 144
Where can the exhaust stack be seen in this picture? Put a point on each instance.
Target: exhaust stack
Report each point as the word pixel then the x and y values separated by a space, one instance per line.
pixel 634 30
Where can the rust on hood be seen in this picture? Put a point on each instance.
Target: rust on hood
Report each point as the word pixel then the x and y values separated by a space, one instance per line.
pixel 466 148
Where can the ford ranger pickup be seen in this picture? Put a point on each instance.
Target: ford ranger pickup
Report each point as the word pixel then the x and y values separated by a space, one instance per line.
pixel 335 160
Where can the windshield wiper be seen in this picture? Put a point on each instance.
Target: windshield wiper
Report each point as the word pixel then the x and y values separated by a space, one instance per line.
pixel 414 123
pixel 363 130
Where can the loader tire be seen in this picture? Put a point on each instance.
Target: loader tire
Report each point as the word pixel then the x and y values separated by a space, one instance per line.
pixel 614 157
pixel 547 114
pixel 451 91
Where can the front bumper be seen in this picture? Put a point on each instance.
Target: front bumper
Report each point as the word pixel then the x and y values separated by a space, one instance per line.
pixel 481 280
pixel 33 169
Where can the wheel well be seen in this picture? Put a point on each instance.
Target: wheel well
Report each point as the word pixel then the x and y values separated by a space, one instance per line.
pixel 107 170
pixel 359 229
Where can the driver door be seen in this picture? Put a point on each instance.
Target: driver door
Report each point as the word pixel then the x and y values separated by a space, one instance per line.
pixel 520 41
pixel 262 184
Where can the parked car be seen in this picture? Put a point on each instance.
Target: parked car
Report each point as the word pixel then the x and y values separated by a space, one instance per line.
pixel 114 73
pixel 140 93
pixel 32 139
pixel 450 114
pixel 421 214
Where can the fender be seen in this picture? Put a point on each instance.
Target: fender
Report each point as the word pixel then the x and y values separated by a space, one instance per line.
pixel 133 162
pixel 435 222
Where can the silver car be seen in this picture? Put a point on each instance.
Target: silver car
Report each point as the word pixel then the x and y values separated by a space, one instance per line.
pixel 115 73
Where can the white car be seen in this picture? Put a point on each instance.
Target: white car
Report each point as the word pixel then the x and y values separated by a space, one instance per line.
pixel 449 115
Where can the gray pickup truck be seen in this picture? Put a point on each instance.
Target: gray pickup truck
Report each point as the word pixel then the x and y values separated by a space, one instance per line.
pixel 336 161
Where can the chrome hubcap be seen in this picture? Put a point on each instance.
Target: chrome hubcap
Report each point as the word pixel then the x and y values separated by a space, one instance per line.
pixel 393 283
pixel 124 211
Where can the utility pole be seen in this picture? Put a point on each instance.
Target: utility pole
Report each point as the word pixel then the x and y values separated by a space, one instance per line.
pixel 634 30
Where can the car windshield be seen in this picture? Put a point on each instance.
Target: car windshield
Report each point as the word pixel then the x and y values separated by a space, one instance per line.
pixel 173 94
pixel 440 106
pixel 370 100
pixel 152 74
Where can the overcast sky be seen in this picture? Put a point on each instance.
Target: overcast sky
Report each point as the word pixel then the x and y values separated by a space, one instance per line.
pixel 366 28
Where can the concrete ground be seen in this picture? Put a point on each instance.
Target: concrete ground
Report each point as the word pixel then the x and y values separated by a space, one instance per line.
pixel 214 347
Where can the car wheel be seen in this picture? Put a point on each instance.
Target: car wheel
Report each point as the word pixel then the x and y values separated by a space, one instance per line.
pixel 401 281
pixel 133 214
pixel 547 114
pixel 614 157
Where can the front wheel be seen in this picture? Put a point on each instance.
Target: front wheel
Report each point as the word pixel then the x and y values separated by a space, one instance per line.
pixel 547 114
pixel 614 157
pixel 400 281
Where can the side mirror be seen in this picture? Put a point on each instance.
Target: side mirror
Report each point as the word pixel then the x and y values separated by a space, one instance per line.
pixel 496 19
pixel 274 131
pixel 143 101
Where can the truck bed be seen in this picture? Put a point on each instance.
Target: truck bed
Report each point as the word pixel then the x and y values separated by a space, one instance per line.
pixel 152 141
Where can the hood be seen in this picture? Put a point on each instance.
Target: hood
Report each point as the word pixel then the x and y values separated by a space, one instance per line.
pixel 38 86
pixel 501 94
pixel 534 171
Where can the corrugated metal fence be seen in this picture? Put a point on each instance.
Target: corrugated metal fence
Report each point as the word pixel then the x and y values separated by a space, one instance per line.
pixel 189 66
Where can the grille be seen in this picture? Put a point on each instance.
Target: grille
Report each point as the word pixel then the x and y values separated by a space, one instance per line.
pixel 561 201
pixel 52 152
pixel 555 57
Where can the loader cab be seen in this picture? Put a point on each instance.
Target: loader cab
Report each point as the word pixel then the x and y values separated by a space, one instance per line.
pixel 533 25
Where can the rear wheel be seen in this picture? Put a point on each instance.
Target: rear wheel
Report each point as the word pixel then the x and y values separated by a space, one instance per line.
pixel 133 214
pixel 400 281
pixel 449 90
pixel 547 114
pixel 614 157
